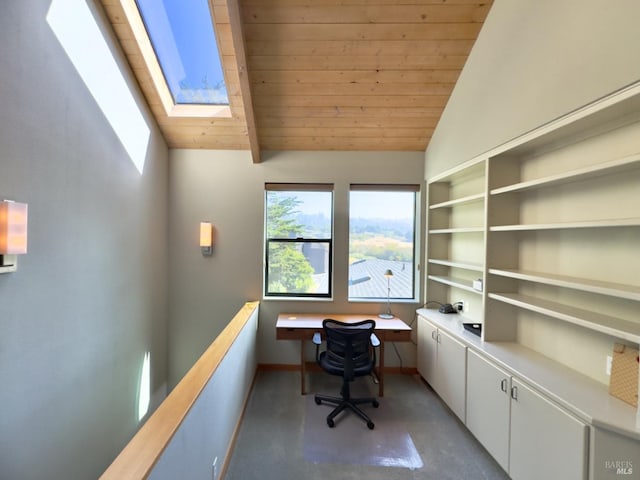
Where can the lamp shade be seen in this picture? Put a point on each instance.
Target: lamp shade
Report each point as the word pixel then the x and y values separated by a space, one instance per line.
pixel 388 273
pixel 206 238
pixel 206 234
pixel 13 228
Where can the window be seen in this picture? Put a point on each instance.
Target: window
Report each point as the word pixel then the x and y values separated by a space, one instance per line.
pixel 298 247
pixel 180 32
pixel 382 228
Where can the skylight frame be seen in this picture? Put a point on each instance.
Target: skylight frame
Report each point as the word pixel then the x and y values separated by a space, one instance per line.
pixel 171 109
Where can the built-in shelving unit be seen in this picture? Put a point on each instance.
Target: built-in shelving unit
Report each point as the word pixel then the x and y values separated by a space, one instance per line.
pixel 550 223
pixel 456 231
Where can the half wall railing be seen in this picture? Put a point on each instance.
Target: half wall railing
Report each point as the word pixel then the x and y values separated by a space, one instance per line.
pixel 191 433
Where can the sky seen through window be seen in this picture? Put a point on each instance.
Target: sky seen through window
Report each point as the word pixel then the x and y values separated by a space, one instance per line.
pixel 183 38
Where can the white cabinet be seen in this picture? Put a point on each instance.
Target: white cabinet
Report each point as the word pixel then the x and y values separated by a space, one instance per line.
pixel 527 434
pixel 546 441
pixel 451 370
pixel 442 363
pixel 489 406
pixel 427 350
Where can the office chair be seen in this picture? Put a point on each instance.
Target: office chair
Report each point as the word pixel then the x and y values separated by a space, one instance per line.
pixel 349 355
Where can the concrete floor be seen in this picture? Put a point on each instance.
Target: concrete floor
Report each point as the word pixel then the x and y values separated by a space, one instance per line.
pixel 270 443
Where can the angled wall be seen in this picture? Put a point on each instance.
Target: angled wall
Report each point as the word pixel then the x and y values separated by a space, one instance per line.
pixel 533 62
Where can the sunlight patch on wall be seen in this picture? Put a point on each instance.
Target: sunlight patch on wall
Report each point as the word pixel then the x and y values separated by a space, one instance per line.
pixel 144 386
pixel 77 31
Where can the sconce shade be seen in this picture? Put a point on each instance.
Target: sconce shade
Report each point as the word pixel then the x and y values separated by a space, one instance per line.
pixel 206 238
pixel 13 228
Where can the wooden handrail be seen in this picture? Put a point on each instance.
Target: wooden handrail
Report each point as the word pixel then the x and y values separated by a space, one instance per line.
pixel 137 459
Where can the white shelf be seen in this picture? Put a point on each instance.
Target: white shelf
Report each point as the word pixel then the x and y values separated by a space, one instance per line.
pixel 458 201
pixel 474 168
pixel 619 290
pixel 598 322
pixel 593 171
pixel 620 222
pixel 455 282
pixel 456 230
pixel 476 267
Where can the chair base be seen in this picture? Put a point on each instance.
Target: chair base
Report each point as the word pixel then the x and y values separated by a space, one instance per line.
pixel 343 403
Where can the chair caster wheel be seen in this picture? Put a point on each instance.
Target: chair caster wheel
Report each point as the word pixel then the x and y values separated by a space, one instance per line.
pixel 371 425
pixel 318 401
pixel 375 404
pixel 330 423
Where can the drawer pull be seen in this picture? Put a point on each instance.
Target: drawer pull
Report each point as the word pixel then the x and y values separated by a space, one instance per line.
pixel 503 385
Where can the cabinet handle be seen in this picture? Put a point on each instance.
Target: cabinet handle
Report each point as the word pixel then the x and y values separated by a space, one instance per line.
pixel 514 393
pixel 433 335
pixel 438 338
pixel 503 385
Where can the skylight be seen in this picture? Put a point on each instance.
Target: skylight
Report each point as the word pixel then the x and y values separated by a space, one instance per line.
pixel 183 39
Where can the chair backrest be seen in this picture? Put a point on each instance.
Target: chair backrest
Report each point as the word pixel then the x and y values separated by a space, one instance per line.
pixel 349 347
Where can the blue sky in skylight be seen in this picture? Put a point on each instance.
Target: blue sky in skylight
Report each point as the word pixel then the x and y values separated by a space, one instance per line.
pixel 182 35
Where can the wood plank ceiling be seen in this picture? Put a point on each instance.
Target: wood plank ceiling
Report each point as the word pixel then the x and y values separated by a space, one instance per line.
pixel 324 74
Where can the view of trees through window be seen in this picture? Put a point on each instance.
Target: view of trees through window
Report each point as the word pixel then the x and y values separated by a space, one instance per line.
pixel 381 238
pixel 298 231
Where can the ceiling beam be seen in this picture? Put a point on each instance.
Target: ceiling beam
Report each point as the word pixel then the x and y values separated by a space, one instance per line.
pixel 237 33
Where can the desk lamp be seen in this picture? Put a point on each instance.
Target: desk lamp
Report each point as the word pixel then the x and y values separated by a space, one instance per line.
pixel 388 274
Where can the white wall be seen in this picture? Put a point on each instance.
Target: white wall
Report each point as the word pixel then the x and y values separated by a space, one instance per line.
pixel 89 299
pixel 535 61
pixel 224 187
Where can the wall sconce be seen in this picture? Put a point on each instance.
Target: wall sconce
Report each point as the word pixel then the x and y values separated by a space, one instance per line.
pixel 13 234
pixel 206 238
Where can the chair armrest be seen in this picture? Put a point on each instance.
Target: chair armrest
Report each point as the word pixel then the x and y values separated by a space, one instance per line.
pixel 317 338
pixel 375 341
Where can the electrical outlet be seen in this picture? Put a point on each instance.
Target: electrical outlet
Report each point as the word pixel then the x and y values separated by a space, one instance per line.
pixel 214 468
pixel 462 306
pixel 608 367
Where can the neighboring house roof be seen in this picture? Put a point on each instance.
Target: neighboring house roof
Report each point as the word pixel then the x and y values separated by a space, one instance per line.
pixel 367 280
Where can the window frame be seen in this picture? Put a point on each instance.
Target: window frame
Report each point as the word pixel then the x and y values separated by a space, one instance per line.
pixel 415 271
pixel 299 187
pixel 171 109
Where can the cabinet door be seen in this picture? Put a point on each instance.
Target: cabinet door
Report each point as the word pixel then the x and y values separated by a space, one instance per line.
pixel 546 441
pixel 451 374
pixel 488 405
pixel 427 350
